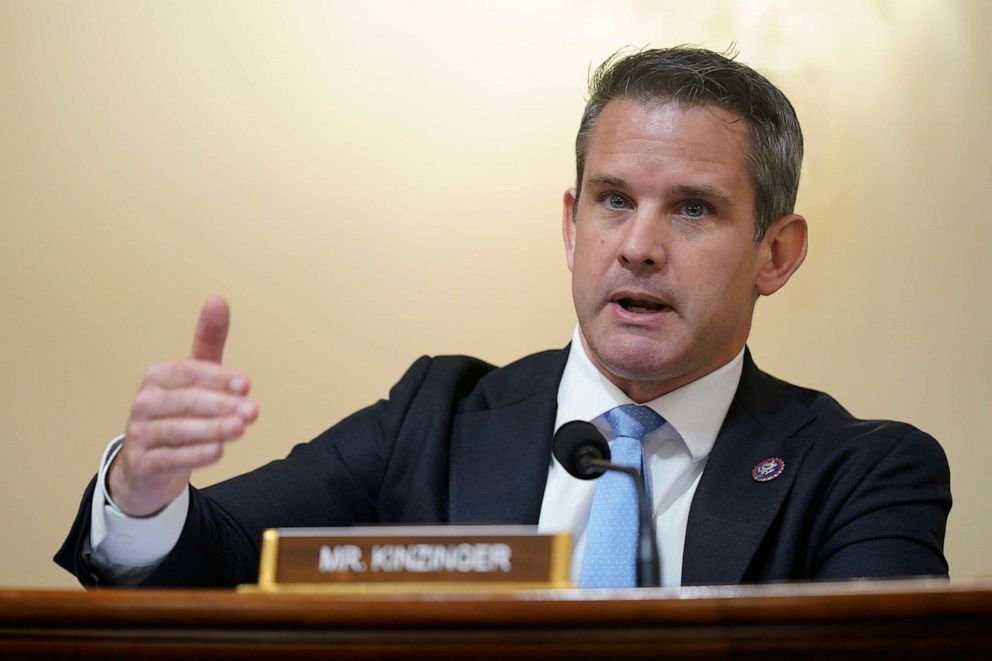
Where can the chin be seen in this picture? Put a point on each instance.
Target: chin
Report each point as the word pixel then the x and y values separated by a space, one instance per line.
pixel 635 362
pixel 641 372
pixel 637 355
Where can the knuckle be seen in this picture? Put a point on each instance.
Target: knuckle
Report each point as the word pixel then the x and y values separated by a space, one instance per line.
pixel 140 466
pixel 214 406
pixel 159 463
pixel 142 404
pixel 216 452
pixel 228 428
pixel 186 406
pixel 171 432
pixel 209 453
pixel 134 434
pixel 168 460
pixel 153 373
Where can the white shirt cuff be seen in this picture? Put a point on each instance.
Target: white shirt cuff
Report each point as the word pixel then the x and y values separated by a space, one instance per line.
pixel 119 541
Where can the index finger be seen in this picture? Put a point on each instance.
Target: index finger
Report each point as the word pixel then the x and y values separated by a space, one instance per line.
pixel 211 330
pixel 197 373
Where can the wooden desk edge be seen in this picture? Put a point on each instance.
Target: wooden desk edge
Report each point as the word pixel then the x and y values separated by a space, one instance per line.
pixel 821 602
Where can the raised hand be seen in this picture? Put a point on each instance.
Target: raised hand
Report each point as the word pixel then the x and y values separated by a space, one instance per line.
pixel 183 414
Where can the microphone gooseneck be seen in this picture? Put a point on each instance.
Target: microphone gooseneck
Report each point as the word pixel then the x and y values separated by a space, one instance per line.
pixel 583 451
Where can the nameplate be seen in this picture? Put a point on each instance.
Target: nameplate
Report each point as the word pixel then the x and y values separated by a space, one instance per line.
pixel 412 558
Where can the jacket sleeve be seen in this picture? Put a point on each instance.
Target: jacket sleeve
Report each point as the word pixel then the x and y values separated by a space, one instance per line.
pixel 888 511
pixel 334 480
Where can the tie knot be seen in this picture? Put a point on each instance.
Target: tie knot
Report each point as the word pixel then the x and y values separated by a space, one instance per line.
pixel 633 421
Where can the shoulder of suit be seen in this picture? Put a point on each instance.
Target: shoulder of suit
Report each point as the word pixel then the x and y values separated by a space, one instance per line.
pixel 480 384
pixel 828 417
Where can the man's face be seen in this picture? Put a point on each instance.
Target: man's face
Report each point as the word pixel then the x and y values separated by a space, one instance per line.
pixel 662 252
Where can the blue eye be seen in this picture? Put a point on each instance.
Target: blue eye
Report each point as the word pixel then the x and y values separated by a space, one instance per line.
pixel 616 201
pixel 694 209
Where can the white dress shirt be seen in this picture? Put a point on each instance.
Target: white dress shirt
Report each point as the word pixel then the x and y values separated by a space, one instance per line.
pixel 675 453
pixel 124 548
pixel 127 549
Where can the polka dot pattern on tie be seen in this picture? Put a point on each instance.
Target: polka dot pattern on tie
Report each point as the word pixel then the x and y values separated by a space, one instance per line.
pixel 611 539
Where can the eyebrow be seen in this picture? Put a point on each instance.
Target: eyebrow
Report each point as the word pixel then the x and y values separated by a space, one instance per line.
pixel 605 180
pixel 706 192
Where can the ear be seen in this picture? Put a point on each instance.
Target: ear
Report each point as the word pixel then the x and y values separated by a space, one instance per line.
pixel 568 225
pixel 783 250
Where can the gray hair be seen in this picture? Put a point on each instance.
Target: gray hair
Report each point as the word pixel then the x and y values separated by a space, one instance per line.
pixel 693 77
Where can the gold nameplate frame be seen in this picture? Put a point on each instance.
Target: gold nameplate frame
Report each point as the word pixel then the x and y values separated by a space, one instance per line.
pixel 376 559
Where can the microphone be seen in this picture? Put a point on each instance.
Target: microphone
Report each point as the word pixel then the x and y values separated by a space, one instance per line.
pixel 581 449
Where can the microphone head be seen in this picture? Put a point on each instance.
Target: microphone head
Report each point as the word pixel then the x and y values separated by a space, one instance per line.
pixel 576 443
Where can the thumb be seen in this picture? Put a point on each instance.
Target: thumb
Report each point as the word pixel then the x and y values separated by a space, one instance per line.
pixel 211 330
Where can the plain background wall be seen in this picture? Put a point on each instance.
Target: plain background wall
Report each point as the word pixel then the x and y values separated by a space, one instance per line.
pixel 369 182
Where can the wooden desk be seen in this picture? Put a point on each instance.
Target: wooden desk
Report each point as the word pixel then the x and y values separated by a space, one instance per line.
pixel 906 619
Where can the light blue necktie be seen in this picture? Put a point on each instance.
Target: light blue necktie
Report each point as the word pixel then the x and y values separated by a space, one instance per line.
pixel 611 538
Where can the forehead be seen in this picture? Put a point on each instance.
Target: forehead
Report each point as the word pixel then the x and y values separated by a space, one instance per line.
pixel 665 140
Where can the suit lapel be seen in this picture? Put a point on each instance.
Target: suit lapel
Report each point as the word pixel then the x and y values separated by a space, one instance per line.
pixel 500 454
pixel 731 511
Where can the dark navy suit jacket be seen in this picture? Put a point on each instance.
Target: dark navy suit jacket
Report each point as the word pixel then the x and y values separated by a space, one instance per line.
pixel 459 441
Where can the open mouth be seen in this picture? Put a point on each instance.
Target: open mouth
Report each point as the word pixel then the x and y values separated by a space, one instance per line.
pixel 640 305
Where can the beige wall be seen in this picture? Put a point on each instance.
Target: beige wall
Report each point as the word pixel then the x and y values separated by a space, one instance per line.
pixel 368 182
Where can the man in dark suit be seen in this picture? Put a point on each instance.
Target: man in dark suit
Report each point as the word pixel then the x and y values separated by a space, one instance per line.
pixel 682 216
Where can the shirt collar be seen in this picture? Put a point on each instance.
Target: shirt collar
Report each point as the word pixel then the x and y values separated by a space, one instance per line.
pixel 695 411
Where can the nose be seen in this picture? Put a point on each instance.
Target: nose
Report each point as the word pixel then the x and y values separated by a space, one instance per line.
pixel 642 245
